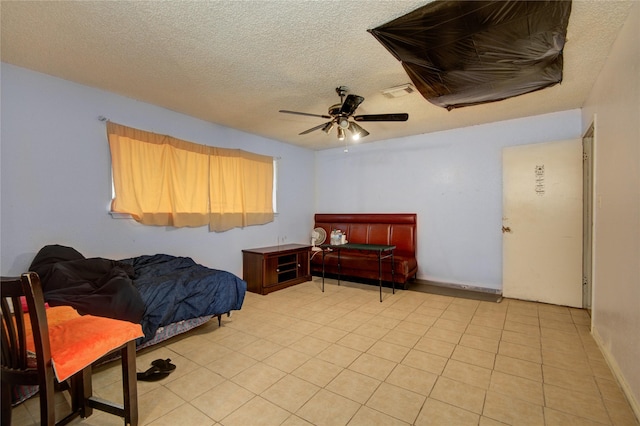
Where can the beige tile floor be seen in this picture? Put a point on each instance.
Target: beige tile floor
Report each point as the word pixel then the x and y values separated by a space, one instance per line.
pixel 300 357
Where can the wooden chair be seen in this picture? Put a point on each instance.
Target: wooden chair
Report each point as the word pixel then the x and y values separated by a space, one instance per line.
pixel 35 353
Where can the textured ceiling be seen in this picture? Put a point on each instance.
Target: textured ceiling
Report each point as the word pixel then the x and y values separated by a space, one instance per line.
pixel 236 63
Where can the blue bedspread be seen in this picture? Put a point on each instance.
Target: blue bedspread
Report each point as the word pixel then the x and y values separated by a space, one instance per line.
pixel 154 291
pixel 177 288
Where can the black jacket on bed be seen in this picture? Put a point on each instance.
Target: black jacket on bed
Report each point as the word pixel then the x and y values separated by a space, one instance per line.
pixel 95 286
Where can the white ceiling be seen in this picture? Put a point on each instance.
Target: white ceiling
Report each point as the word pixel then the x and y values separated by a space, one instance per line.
pixel 236 63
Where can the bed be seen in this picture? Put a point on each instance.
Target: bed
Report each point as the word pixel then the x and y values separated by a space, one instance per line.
pixel 165 294
pixel 168 295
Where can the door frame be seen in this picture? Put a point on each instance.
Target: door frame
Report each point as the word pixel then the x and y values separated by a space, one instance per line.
pixel 588 195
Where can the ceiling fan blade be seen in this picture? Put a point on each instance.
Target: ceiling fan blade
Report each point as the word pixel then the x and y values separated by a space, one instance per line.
pixel 382 117
pixel 350 104
pixel 320 126
pixel 304 113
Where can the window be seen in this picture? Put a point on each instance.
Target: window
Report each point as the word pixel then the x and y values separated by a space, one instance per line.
pixel 161 180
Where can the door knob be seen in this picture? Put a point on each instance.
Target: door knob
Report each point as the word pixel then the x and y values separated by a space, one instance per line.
pixel 506 229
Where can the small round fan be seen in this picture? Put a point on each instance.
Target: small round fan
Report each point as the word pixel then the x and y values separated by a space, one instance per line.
pixel 318 236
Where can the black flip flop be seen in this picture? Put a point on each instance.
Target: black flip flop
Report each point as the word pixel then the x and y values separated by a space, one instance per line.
pixel 153 374
pixel 164 365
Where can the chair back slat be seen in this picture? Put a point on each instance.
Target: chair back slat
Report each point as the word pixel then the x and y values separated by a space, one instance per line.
pixel 22 333
pixel 8 335
pixel 14 350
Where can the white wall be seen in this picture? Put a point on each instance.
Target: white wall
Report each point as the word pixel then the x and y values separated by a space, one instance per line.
pixel 615 103
pixel 452 180
pixel 56 187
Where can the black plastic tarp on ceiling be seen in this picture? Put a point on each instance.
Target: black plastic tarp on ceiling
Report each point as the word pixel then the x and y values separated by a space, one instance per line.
pixel 462 53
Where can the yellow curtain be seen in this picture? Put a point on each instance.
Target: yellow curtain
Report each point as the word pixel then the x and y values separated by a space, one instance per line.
pixel 161 180
pixel 241 187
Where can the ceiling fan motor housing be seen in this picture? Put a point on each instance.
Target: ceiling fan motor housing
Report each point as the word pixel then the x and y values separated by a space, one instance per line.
pixel 334 110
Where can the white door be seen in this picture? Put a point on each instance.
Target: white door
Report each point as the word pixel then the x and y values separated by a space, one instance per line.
pixel 542 222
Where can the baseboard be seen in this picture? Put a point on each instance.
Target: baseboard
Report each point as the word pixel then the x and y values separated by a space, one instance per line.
pixel 459 286
pixel 615 369
pixel 456 290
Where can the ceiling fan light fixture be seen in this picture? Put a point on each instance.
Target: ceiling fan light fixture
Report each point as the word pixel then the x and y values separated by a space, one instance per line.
pixel 343 122
pixel 340 134
pixel 357 131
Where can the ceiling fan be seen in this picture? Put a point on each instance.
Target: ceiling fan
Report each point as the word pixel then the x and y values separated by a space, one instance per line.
pixel 341 115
